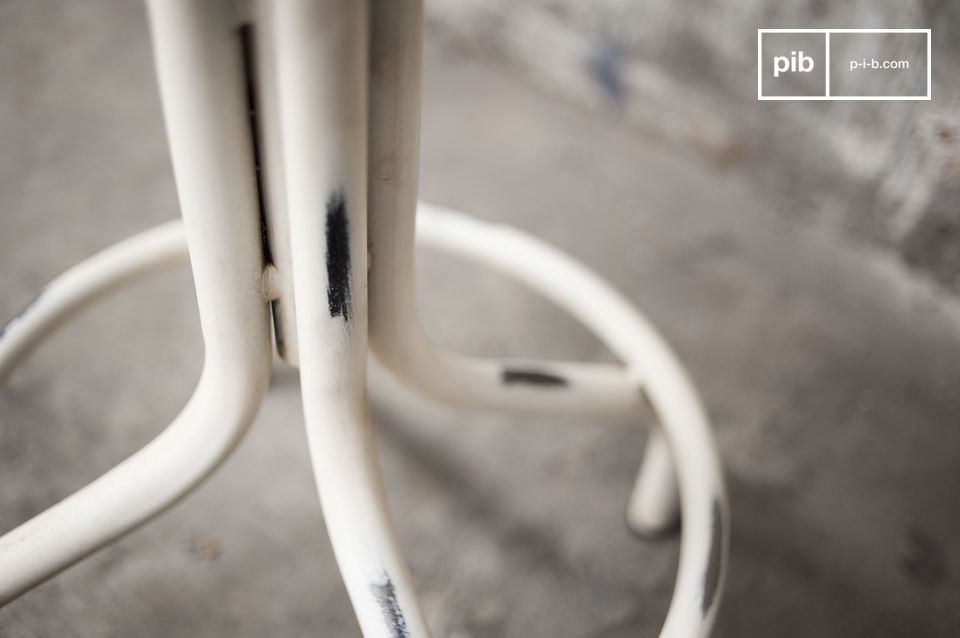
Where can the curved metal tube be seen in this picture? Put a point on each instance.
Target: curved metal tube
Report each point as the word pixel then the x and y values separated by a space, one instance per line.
pixel 447 231
pixel 198 63
pixel 439 228
pixel 652 366
pixel 161 246
pixel 201 79
pixel 321 58
pixel 161 473
pixel 396 336
pixel 687 452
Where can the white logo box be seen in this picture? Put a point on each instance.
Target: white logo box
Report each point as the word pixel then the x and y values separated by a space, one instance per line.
pixel 826 96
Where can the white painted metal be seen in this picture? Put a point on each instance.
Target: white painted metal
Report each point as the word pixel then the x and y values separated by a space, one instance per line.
pixel 321 54
pixel 200 77
pixel 652 366
pixel 72 291
pixel 438 228
pixel 654 506
pixel 395 330
pixel 312 60
pixel 261 60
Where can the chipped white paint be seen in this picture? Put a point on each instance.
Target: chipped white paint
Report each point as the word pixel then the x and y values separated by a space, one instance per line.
pixel 201 85
pixel 313 60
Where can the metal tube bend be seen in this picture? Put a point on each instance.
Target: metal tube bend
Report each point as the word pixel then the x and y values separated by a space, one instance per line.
pixel 165 470
pixel 653 367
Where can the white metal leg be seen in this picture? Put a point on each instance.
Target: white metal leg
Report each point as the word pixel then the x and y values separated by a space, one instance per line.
pixel 85 283
pixel 654 506
pixel 654 368
pixel 322 70
pixel 395 333
pixel 208 147
pixel 304 177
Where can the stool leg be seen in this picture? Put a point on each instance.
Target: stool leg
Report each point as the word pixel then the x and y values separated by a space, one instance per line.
pixel 654 506
pixel 200 84
pixel 684 461
pixel 517 387
pixel 84 284
pixel 321 56
pixel 652 365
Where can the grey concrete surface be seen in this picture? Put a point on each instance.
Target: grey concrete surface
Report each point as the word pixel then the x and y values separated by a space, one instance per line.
pixel 686 71
pixel 829 369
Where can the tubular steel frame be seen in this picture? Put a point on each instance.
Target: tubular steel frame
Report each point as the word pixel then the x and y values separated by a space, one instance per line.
pixel 300 120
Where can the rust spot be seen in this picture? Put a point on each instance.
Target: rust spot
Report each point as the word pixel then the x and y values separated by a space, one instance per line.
pixel 206 548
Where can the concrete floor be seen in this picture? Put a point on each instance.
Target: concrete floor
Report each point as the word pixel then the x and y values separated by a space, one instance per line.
pixel 831 375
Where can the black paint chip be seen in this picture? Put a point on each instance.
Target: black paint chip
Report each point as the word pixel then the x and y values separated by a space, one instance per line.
pixel 23 311
pixel 386 597
pixel 338 257
pixel 711 579
pixel 511 376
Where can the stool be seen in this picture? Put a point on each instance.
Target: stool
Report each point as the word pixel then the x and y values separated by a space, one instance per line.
pixel 294 131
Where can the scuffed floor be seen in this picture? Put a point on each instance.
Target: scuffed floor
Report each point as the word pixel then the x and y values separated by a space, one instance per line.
pixel 830 372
